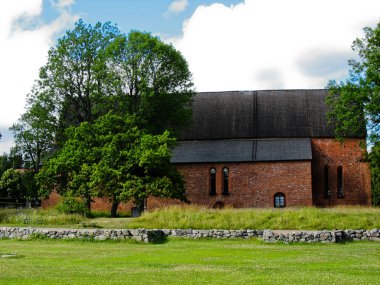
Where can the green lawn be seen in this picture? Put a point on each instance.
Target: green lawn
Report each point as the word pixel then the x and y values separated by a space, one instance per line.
pixel 181 261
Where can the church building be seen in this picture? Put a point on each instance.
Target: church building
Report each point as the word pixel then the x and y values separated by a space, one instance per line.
pixel 252 149
pixel 269 149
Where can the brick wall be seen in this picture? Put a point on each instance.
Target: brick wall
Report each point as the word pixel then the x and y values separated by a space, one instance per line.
pixel 255 184
pixel 356 178
pixel 99 204
pixel 250 184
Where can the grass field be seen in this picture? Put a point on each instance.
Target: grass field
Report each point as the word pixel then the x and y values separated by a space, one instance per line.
pixel 187 262
pixel 203 218
pixel 307 218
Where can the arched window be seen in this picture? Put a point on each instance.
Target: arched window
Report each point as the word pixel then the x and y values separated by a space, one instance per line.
pixel 340 182
pixel 326 182
pixel 279 200
pixel 225 181
pixel 212 181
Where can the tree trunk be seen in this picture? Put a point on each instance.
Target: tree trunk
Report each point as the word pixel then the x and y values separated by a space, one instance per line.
pixel 87 202
pixel 114 207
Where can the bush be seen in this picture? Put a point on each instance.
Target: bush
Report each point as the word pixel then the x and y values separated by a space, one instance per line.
pixel 72 205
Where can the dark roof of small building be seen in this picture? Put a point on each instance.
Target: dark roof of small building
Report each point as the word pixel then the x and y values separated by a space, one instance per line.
pixel 242 150
pixel 259 114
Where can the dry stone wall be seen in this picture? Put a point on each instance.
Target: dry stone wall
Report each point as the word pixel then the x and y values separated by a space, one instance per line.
pixel 158 235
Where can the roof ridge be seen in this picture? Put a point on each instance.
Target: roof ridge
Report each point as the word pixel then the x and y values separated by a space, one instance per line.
pixel 260 90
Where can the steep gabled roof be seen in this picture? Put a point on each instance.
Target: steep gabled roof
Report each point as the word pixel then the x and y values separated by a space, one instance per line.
pixel 242 150
pixel 259 114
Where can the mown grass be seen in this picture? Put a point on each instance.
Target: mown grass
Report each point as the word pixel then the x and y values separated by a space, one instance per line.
pixel 187 262
pixel 282 219
pixel 203 218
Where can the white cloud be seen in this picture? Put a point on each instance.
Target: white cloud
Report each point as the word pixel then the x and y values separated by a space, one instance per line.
pixel 177 6
pixel 272 44
pixel 24 42
pixel 63 3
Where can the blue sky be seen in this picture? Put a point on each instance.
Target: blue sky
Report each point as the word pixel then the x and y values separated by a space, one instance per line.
pixel 145 15
pixel 229 44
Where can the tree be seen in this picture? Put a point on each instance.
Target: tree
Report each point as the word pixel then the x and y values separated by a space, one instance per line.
pixel 76 72
pixel 35 131
pixel 66 172
pixel 19 186
pixel 156 82
pixel 5 163
pixel 355 103
pixel 11 183
pixel 113 157
pixel 91 71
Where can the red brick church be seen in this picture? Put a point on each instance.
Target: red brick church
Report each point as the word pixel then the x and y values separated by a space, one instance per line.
pixel 266 149
pixel 269 149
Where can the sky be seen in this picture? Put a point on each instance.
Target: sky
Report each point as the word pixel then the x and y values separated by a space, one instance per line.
pixel 229 44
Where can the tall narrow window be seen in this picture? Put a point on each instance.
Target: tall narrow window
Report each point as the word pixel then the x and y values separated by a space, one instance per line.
pixel 225 181
pixel 212 181
pixel 326 181
pixel 279 200
pixel 340 182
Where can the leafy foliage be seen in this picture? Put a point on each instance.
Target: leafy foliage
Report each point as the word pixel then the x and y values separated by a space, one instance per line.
pixel 35 131
pixel 91 71
pixel 356 102
pixel 19 186
pixel 11 182
pixel 375 169
pixel 72 205
pixel 157 85
pixel 75 71
pixel 95 69
pixel 113 158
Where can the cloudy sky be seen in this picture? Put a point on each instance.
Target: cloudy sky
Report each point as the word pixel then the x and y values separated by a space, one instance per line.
pixel 229 44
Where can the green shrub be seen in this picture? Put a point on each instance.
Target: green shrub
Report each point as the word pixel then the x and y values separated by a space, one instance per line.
pixel 72 205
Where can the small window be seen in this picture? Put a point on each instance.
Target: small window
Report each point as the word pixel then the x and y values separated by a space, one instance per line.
pixel 225 181
pixel 340 182
pixel 326 182
pixel 212 181
pixel 279 200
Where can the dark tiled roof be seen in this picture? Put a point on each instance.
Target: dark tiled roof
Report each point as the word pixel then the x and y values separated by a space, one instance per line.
pixel 259 114
pixel 242 150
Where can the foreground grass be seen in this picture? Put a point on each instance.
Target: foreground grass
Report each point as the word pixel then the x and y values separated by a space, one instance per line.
pixel 203 218
pixel 187 262
pixel 286 219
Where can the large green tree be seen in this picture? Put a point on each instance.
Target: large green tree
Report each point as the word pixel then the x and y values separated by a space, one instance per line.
pixel 355 103
pixel 95 69
pixel 91 71
pixel 113 157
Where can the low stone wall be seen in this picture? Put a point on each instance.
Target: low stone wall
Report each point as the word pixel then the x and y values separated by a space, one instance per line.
pixel 157 235
pixel 321 236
